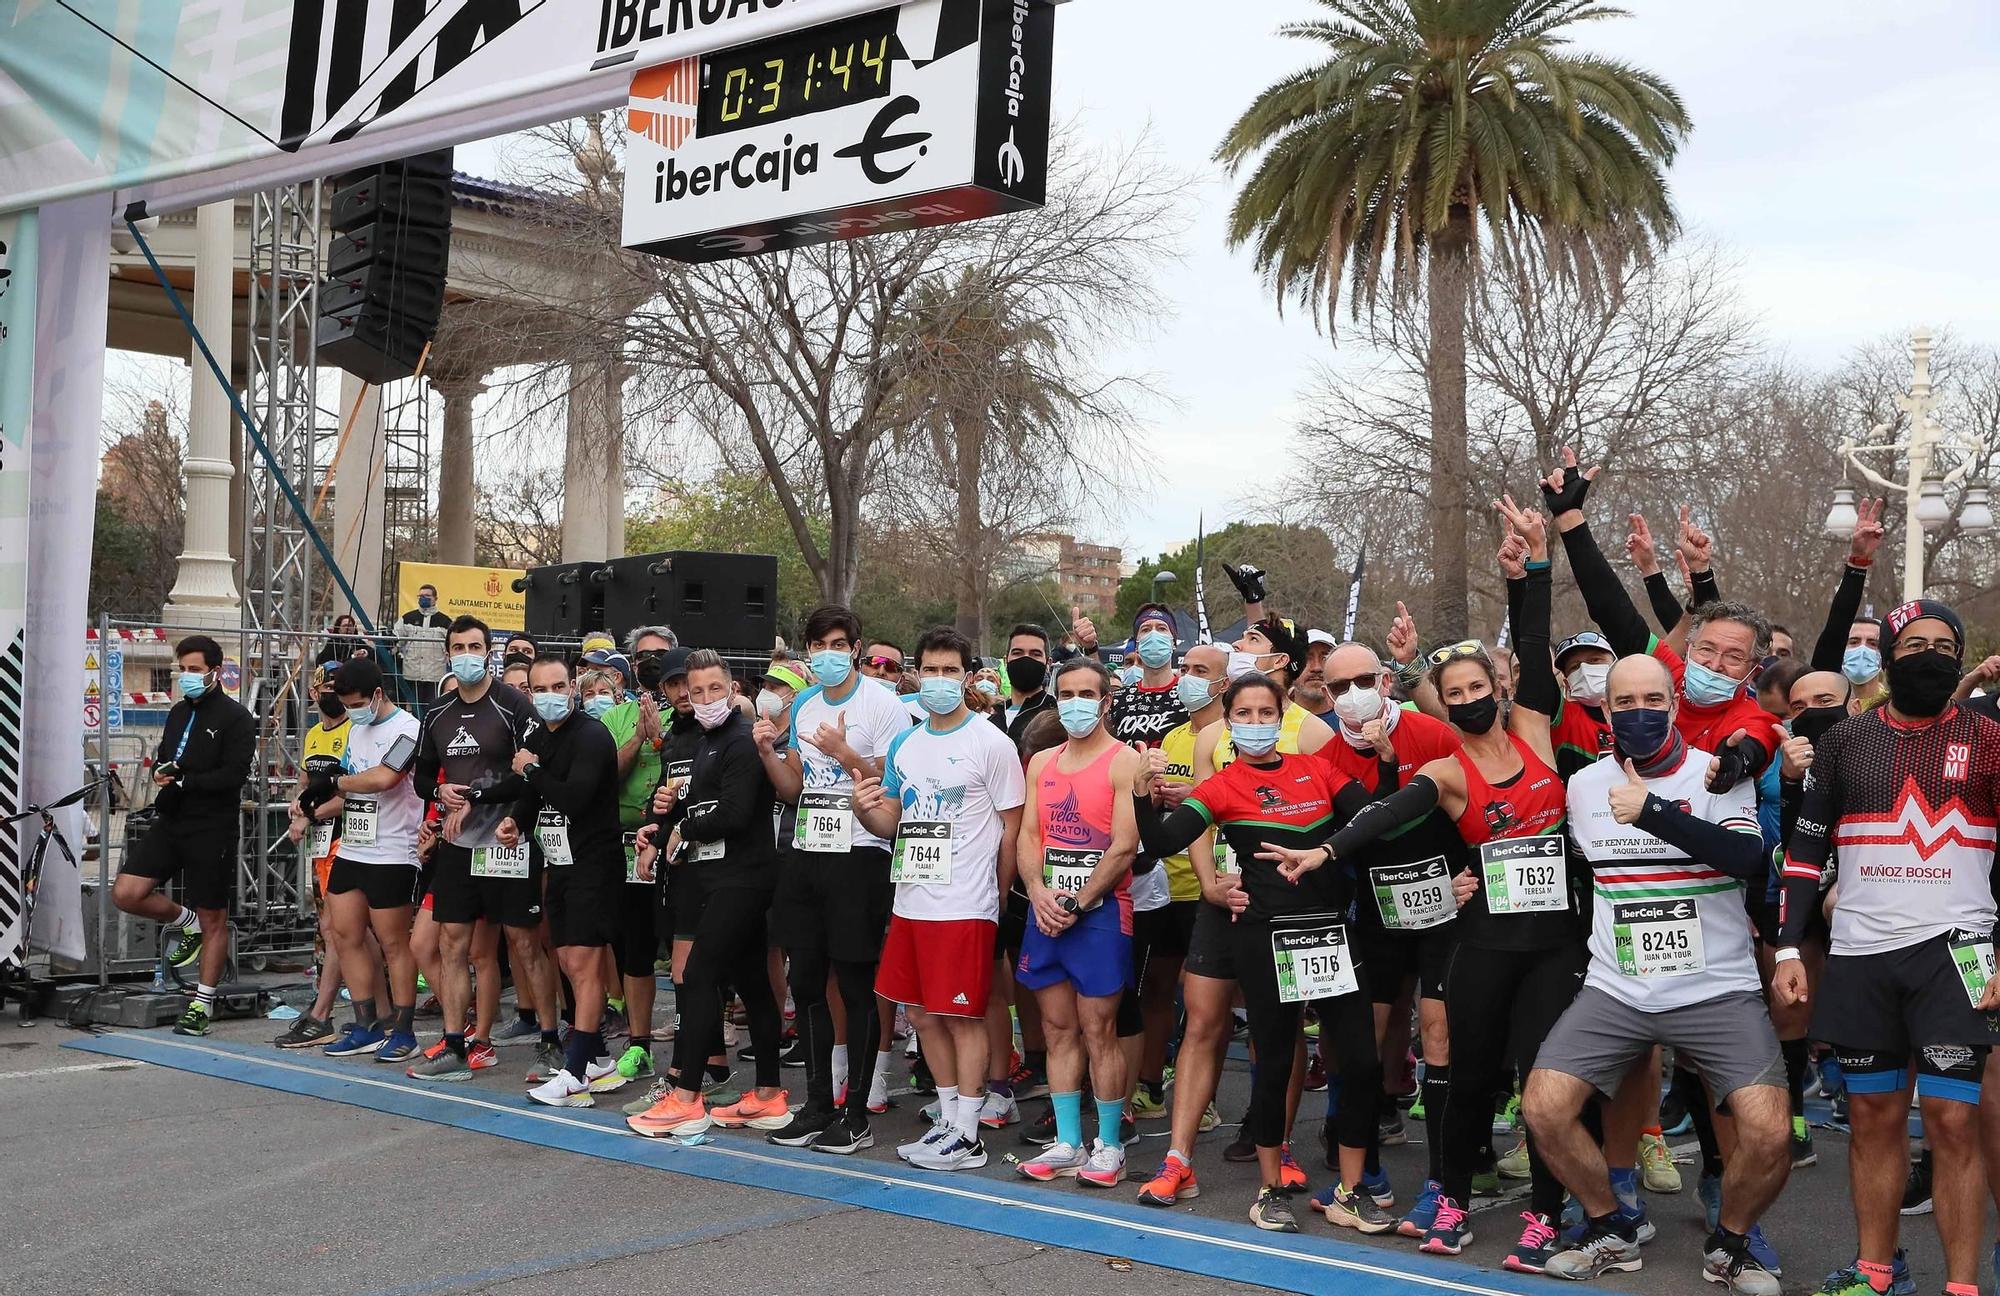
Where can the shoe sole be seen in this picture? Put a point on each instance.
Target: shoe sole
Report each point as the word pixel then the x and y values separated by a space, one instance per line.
pixel 794 1140
pixel 1343 1219
pixel 977 1162
pixel 686 1129
pixel 1513 1265
pixel 364 1051
pixel 324 1040
pixel 608 1084
pixel 1925 1209
pixel 1658 1186
pixel 568 1100
pixel 1287 1227
pixel 766 1123
pixel 1434 1247
pixel 1101 1182
pixel 1066 1172
pixel 998 1124
pixel 200 1034
pixel 449 1077
pixel 390 1059
pixel 1615 1266
pixel 865 1141
pixel 1800 1163
pixel 1398 1139
pixel 1186 1194
pixel 1408 1228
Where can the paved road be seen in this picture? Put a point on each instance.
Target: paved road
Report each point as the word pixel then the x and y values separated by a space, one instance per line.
pixel 320 1196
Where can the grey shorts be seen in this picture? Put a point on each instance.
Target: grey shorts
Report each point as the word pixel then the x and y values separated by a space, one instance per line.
pixel 1727 1041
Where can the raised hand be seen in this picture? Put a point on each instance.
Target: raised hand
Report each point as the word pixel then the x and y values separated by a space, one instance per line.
pixel 1513 557
pixel 1731 765
pixel 831 738
pixel 1795 757
pixel 1628 798
pixel 1083 628
pixel 1693 542
pixel 1292 863
pixel 1868 532
pixel 1403 636
pixel 1248 580
pixel 1564 489
pixel 1527 523
pixel 1376 734
pixel 1639 546
pixel 765 735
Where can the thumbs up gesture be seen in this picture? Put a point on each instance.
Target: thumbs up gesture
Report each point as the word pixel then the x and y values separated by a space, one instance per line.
pixel 1628 798
pixel 1083 628
pixel 1731 765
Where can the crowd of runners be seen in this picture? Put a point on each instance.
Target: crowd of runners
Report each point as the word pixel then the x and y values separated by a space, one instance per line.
pixel 1529 886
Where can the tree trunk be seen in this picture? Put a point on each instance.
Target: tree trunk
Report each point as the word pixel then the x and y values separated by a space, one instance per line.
pixel 970 619
pixel 1450 256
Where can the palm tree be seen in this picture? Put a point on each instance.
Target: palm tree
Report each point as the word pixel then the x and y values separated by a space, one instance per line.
pixel 1427 120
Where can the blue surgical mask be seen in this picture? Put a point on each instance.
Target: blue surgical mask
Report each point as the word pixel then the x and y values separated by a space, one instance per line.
pixel 1130 676
pixel 832 668
pixel 1253 739
pixel 1194 693
pixel 1705 687
pixel 361 715
pixel 469 667
pixel 193 684
pixel 553 708
pixel 941 696
pixel 597 704
pixel 1861 664
pixel 1156 648
pixel 1079 716
pixel 426 602
pixel 987 686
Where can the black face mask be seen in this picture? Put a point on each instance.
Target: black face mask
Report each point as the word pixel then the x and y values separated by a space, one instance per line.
pixel 518 658
pixel 1025 674
pixel 1476 716
pixel 650 671
pixel 330 707
pixel 1921 683
pixel 1813 722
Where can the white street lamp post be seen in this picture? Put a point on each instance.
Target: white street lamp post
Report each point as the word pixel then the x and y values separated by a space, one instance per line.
pixel 1925 507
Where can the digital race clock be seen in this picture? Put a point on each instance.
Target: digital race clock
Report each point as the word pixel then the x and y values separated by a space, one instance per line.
pixel 910 115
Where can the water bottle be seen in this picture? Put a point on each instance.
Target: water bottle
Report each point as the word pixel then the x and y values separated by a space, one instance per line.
pixel 160 977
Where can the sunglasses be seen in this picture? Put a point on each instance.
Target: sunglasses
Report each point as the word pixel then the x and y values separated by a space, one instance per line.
pixel 1335 687
pixel 883 663
pixel 1459 651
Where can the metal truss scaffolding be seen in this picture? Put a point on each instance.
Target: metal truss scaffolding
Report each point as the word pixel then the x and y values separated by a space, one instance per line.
pixel 407 515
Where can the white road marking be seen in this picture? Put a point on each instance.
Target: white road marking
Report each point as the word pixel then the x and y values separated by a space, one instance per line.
pixel 121 1065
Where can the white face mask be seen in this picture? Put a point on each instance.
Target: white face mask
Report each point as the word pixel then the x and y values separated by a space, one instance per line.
pixel 771 705
pixel 1357 706
pixel 1588 682
pixel 1243 663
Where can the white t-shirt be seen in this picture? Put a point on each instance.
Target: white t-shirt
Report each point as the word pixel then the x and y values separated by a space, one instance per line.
pixel 1666 931
pixel 874 717
pixel 398 812
pixel 966 778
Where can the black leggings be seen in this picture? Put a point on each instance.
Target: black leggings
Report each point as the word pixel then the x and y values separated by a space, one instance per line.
pixel 728 950
pixel 1499 1006
pixel 1347 1029
pixel 815 1020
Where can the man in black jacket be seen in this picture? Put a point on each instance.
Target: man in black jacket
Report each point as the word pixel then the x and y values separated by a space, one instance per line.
pixel 1027 675
pixel 204 758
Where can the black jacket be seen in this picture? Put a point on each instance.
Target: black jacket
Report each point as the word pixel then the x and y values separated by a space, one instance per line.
pixel 728 800
pixel 1019 725
pixel 577 777
pixel 215 764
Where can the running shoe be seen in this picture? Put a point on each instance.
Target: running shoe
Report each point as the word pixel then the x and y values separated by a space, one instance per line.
pixel 1144 1106
pixel 1348 1208
pixel 1271 1212
pixel 1514 1164
pixel 1709 1190
pixel 1417 1107
pixel 479 1055
pixel 753 1112
pixel 429 1005
pixel 1389 1131
pixel 548 1061
pixel 1056 1161
pixel 671 1117
pixel 1450 1233
pixel 1174 1182
pixel 1643 1227
pixel 1916 1189
pixel 1508 1119
pixel 1599 1251
pixel 1486 1183
pixel 1803 1153
pixel 356 1041
pixel 1377 1187
pixel 192 1022
pixel 517 1032
pixel 878 1095
pixel 635 1061
pixel 1761 1250
pixel 1240 1151
pixel 447 1067
pixel 921 1080
pixel 1291 1175
pixel 805 1125
pixel 999 1111
pixel 1028 1082
pixel 1656 1165
pixel 1739 1271
pixel 1210 1118
pixel 1106 1166
pixel 1836 1117
pixel 794 1055
pixel 399 1046
pixel 613 1023
pixel 845 1137
pixel 1040 1131
pixel 563 1090
pixel 1424 1213
pixel 1675 1119
pixel 1315 1075
pixel 603 1076
pixel 654 1092
pixel 955 1153
pixel 938 1134
pixel 1128 1131
pixel 1849 1281
pixel 187 947
pixel 1538 1242
pixel 440 1047
pixel 307 1031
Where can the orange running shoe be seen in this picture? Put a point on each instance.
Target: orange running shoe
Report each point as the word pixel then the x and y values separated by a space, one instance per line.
pixel 1291 1176
pixel 437 1048
pixel 1174 1182
pixel 770 1113
pixel 671 1117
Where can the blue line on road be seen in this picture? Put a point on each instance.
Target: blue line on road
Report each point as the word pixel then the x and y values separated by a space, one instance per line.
pixel 1219 1249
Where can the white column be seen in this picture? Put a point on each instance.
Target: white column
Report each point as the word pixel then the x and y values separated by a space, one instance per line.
pixel 205 591
pixel 456 496
pixel 614 461
pixel 357 496
pixel 587 505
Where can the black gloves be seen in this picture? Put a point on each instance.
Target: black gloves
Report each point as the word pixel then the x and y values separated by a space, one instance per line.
pixel 318 791
pixel 1248 580
pixel 1733 765
pixel 1574 487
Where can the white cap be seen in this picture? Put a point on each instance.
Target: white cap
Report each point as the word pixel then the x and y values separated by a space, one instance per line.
pixel 1321 637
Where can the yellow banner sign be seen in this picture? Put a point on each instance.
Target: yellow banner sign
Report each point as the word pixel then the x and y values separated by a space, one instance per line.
pixel 485 592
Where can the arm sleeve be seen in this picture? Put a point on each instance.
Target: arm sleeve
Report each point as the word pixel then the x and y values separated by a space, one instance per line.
pixel 738 771
pixel 1376 819
pixel 591 766
pixel 1170 833
pixel 1810 841
pixel 232 766
pixel 1703 589
pixel 1536 686
pixel 1603 597
pixel 1832 645
pixel 424 775
pixel 1735 847
pixel 1666 608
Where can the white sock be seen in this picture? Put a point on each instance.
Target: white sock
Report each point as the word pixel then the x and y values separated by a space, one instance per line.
pixel 968 1115
pixel 1182 1156
pixel 205 996
pixel 839 1067
pixel 878 1086
pixel 187 921
pixel 947 1104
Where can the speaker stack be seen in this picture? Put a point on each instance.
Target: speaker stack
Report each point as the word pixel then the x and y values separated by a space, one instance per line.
pixel 565 600
pixel 384 289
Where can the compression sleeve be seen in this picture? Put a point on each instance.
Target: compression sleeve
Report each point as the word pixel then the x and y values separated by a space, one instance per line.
pixel 1740 854
pixel 1703 588
pixel 1535 687
pixel 1810 841
pixel 1666 608
pixel 1832 645
pixel 1603 596
pixel 1170 833
pixel 1378 818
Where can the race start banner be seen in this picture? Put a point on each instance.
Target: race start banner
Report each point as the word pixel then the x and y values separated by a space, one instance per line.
pixel 485 592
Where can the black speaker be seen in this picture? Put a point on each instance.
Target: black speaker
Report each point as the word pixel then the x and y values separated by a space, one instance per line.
pixel 386 270
pixel 565 600
pixel 710 600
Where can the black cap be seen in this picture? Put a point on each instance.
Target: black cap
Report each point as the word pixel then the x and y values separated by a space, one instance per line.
pixel 674 662
pixel 1919 609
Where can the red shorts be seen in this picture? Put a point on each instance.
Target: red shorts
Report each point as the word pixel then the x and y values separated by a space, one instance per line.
pixel 944 966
